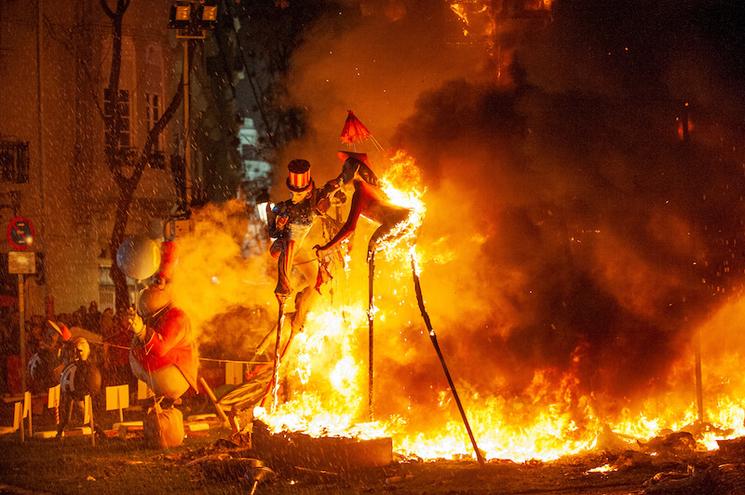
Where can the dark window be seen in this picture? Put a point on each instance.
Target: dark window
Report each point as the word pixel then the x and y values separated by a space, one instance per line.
pixel 152 114
pixel 124 117
pixel 14 162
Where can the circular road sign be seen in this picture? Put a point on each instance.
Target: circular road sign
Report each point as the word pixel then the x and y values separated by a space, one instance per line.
pixel 20 233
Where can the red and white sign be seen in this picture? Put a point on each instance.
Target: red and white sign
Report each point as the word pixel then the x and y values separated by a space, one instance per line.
pixel 20 233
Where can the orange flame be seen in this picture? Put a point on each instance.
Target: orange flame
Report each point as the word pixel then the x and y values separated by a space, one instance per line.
pixel 325 371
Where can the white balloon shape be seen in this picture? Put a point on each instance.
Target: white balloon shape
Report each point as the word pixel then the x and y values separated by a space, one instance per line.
pixel 138 257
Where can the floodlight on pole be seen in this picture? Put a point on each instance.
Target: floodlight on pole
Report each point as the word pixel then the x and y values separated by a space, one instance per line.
pixel 180 17
pixel 192 20
pixel 207 14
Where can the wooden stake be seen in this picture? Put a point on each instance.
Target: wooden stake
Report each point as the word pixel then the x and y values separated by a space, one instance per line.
pixel 699 381
pixel 433 338
pixel 370 330
pixel 213 399
pixel 88 410
pixel 30 413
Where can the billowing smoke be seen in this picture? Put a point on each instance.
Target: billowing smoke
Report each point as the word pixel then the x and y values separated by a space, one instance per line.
pixel 226 295
pixel 569 226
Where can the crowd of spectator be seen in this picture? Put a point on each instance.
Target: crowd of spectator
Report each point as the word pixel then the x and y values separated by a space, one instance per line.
pixel 107 332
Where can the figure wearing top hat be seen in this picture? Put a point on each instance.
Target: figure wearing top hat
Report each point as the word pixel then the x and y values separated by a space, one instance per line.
pixel 289 223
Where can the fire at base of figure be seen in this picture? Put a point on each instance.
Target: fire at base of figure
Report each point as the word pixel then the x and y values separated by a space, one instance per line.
pixel 395 225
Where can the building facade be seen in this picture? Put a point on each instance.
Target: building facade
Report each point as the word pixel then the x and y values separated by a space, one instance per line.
pixel 55 59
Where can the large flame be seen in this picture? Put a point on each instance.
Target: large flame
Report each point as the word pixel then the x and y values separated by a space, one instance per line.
pixel 324 375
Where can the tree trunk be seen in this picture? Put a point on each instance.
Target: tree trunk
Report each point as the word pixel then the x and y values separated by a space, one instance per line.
pixel 121 216
pixel 126 185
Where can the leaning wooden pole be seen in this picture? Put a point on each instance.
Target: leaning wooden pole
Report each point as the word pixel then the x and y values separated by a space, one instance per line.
pixel 370 331
pixel 433 338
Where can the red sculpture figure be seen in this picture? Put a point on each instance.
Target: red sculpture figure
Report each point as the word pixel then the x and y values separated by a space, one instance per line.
pixel 367 201
pixel 164 353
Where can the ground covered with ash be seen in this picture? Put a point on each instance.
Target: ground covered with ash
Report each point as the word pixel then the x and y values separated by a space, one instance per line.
pixel 210 462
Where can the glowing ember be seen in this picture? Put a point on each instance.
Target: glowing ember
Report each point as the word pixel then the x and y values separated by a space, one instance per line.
pixel 605 468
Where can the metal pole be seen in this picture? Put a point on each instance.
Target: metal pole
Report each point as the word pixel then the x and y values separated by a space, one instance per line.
pixel 699 381
pixel 275 379
pixel 433 338
pixel 370 331
pixel 697 336
pixel 187 124
pixel 40 111
pixel 21 318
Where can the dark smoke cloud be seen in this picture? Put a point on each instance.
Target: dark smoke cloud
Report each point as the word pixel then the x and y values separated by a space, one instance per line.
pixel 623 234
pixel 589 236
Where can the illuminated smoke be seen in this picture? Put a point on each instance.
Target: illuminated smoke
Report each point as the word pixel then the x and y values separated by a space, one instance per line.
pixel 572 242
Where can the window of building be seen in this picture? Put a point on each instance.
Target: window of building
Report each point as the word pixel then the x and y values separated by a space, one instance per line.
pixel 14 162
pixel 124 118
pixel 152 114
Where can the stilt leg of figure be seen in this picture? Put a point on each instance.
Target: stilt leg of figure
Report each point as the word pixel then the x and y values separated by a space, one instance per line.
pixel 287 344
pixel 370 329
pixel 304 302
pixel 433 338
pixel 275 379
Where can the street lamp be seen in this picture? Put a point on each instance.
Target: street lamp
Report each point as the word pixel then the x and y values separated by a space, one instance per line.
pixel 192 20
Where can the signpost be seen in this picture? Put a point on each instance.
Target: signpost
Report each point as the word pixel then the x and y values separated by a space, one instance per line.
pixel 20 234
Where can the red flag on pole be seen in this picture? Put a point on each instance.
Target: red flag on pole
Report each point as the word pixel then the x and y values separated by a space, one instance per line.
pixel 354 130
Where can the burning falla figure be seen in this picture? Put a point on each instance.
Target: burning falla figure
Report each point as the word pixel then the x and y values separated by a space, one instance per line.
pixel 368 201
pixel 289 223
pixel 163 351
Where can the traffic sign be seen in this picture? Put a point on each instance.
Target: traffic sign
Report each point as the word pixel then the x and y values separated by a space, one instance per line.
pixel 20 233
pixel 21 263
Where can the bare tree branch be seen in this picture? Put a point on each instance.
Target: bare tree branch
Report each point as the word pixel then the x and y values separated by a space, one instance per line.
pixel 106 9
pixel 122 6
pixel 153 134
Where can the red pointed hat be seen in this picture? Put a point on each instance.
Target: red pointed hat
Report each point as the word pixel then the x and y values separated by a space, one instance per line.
pixel 344 155
pixel 298 178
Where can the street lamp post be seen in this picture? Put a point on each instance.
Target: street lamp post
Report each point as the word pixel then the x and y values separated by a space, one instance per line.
pixel 192 20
